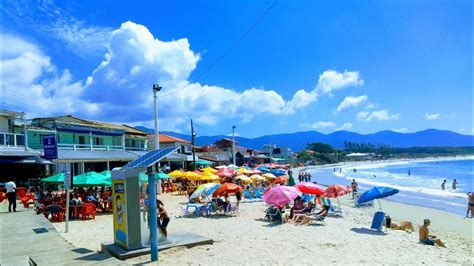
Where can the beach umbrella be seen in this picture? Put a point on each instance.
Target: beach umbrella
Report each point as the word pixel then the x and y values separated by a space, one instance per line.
pixel 225 172
pixel 280 195
pixel 256 171
pixel 278 172
pixel 205 189
pixel 377 193
pixel 257 177
pixel 244 178
pixel 144 177
pixel 106 173
pixel 54 179
pixel 311 188
pixel 198 172
pixel 221 167
pixel 334 191
pixel 209 170
pixel 233 167
pixel 264 169
pixel 227 188
pixel 89 179
pixel 244 171
pixel 210 176
pixel 176 173
pixel 203 162
pixel 191 175
pixel 269 176
pixel 280 179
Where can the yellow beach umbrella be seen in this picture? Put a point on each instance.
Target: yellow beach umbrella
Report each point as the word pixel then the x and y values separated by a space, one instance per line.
pixel 209 176
pixel 192 175
pixel 244 171
pixel 209 170
pixel 176 173
pixel 244 178
pixel 269 176
pixel 257 177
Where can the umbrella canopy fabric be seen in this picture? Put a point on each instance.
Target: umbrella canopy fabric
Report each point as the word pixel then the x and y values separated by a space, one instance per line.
pixel 269 176
pixel 278 172
pixel 144 177
pixel 203 162
pixel 106 173
pixel 280 195
pixel 225 172
pixel 257 177
pixel 280 179
pixel 244 178
pixel 205 189
pixel 210 176
pixel 377 193
pixel 209 169
pixel 244 171
pixel 311 188
pixel 176 173
pixel 256 171
pixel 227 188
pixel 54 179
pixel 233 167
pixel 264 169
pixel 89 179
pixel 335 191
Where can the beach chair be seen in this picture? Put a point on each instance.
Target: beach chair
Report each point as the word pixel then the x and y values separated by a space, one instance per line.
pixel 257 194
pixel 248 196
pixel 319 220
pixel 274 214
pixel 333 210
pixel 378 221
pixel 57 213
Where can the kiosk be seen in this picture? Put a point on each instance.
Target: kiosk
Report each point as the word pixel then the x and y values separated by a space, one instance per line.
pixel 131 202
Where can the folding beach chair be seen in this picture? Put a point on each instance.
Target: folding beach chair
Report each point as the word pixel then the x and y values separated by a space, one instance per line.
pixel 257 194
pixel 248 196
pixel 378 221
pixel 333 210
pixel 319 220
pixel 274 214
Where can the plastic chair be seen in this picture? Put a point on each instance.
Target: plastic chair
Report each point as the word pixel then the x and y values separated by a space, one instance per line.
pixel 57 213
pixel 88 209
pixel 3 196
pixel 247 195
pixel 257 194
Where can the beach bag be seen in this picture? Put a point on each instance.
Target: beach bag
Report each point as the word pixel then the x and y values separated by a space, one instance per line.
pixel 388 221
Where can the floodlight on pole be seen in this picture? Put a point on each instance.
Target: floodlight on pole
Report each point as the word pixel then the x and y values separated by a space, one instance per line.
pixel 156 88
pixel 233 144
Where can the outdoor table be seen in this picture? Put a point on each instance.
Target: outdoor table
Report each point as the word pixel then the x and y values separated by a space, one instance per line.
pixel 196 206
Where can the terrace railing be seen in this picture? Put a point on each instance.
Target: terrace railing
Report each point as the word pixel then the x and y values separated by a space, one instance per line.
pixel 68 146
pixel 12 139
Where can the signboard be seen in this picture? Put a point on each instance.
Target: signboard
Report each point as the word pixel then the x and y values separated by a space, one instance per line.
pixel 67 180
pixel 120 213
pixel 49 146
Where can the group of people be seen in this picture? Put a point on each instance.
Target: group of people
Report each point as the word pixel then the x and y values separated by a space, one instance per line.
pixel 453 185
pixel 304 177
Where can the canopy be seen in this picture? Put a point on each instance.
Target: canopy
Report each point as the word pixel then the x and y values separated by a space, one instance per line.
pixel 176 173
pixel 209 169
pixel 225 172
pixel 227 188
pixel 89 179
pixel 256 171
pixel 144 177
pixel 335 191
pixel 33 160
pixel 269 176
pixel 264 169
pixel 106 173
pixel 281 179
pixel 205 189
pixel 203 162
pixel 311 188
pixel 377 193
pixel 191 175
pixel 280 195
pixel 233 166
pixel 257 177
pixel 244 171
pixel 244 178
pixel 278 172
pixel 54 179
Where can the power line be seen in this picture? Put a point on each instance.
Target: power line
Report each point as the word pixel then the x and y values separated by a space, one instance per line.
pixel 226 52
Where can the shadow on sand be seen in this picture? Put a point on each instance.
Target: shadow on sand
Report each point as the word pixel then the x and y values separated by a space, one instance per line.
pixel 368 231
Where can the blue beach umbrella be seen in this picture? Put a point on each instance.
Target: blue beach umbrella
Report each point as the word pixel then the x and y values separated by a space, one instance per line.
pixel 205 189
pixel 377 193
pixel 278 172
pixel 264 169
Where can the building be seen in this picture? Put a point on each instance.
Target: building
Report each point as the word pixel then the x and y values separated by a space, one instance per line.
pixel 213 154
pixel 277 154
pixel 183 159
pixel 86 145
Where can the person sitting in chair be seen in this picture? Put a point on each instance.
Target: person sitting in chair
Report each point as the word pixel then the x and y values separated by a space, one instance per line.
pixel 426 238
pixel 318 217
pixel 297 217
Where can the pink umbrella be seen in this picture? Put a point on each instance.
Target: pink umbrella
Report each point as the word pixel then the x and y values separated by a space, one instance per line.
pixel 280 195
pixel 311 188
pixel 225 172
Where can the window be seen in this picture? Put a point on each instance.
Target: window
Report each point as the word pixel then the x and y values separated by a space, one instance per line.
pixel 82 140
pixel 98 141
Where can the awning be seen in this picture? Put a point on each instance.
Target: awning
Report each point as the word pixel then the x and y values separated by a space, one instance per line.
pixel 88 155
pixel 33 160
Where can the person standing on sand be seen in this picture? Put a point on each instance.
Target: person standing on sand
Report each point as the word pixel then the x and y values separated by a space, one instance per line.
pixel 354 187
pixel 470 204
pixel 426 238
pixel 443 185
pixel 455 183
pixel 163 218
pixel 11 194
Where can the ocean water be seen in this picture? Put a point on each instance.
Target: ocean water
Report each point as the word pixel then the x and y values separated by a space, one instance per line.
pixel 422 187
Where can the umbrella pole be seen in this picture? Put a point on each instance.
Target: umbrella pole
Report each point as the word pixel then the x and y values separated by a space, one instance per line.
pixel 380 205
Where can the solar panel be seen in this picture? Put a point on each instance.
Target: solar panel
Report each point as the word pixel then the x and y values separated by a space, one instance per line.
pixel 150 158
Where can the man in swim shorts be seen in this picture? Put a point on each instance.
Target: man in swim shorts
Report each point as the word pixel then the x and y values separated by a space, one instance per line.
pixel 426 238
pixel 470 204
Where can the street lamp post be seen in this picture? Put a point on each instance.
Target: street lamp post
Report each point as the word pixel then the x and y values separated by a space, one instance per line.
pixel 233 144
pixel 152 187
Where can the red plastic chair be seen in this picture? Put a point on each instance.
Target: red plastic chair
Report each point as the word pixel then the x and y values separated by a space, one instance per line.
pixel 88 209
pixel 3 196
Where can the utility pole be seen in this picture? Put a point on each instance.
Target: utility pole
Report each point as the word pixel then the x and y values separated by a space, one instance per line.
pixel 233 144
pixel 156 88
pixel 193 135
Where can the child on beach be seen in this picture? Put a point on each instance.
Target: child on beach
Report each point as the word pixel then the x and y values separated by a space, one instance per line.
pixel 163 218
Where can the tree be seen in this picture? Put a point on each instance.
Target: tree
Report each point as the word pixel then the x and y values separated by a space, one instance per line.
pixel 321 147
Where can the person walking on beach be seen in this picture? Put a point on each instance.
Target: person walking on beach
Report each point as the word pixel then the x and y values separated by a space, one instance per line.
pixel 11 194
pixel 409 173
pixel 163 218
pixel 470 204
pixel 455 183
pixel 443 185
pixel 354 187
pixel 425 236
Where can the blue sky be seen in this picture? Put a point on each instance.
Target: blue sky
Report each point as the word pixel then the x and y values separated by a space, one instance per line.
pixel 361 66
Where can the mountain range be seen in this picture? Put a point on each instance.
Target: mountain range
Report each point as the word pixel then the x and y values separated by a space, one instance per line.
pixel 298 140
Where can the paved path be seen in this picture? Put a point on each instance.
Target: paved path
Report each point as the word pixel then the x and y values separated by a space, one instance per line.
pixel 26 236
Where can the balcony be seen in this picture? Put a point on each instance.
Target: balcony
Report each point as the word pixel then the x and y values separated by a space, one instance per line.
pixel 12 139
pixel 67 146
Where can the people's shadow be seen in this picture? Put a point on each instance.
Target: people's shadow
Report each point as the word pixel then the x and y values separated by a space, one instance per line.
pixel 367 231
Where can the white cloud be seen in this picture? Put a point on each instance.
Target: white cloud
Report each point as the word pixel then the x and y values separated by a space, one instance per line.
pixel 431 116
pixel 319 125
pixel 381 115
pixel 351 101
pixel 346 126
pixel 331 80
pixel 400 130
pixel 370 106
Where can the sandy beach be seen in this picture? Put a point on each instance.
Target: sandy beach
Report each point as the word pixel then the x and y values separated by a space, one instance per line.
pixel 247 239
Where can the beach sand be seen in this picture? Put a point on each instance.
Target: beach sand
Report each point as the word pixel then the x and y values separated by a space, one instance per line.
pixel 247 239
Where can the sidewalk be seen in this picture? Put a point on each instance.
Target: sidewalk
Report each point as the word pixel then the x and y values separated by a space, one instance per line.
pixel 27 237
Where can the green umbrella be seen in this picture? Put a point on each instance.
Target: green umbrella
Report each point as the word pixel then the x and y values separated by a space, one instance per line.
pixel 144 177
pixel 54 179
pixel 291 181
pixel 107 177
pixel 89 179
pixel 203 162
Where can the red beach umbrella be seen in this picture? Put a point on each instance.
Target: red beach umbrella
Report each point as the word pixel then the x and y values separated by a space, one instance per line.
pixel 227 188
pixel 335 191
pixel 281 179
pixel 311 188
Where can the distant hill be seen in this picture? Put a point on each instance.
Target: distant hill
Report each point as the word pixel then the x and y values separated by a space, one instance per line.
pixel 298 140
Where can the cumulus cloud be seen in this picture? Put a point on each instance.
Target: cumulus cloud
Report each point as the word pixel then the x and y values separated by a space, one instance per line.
pixel 345 126
pixel 381 115
pixel 319 125
pixel 331 80
pixel 431 116
pixel 351 101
